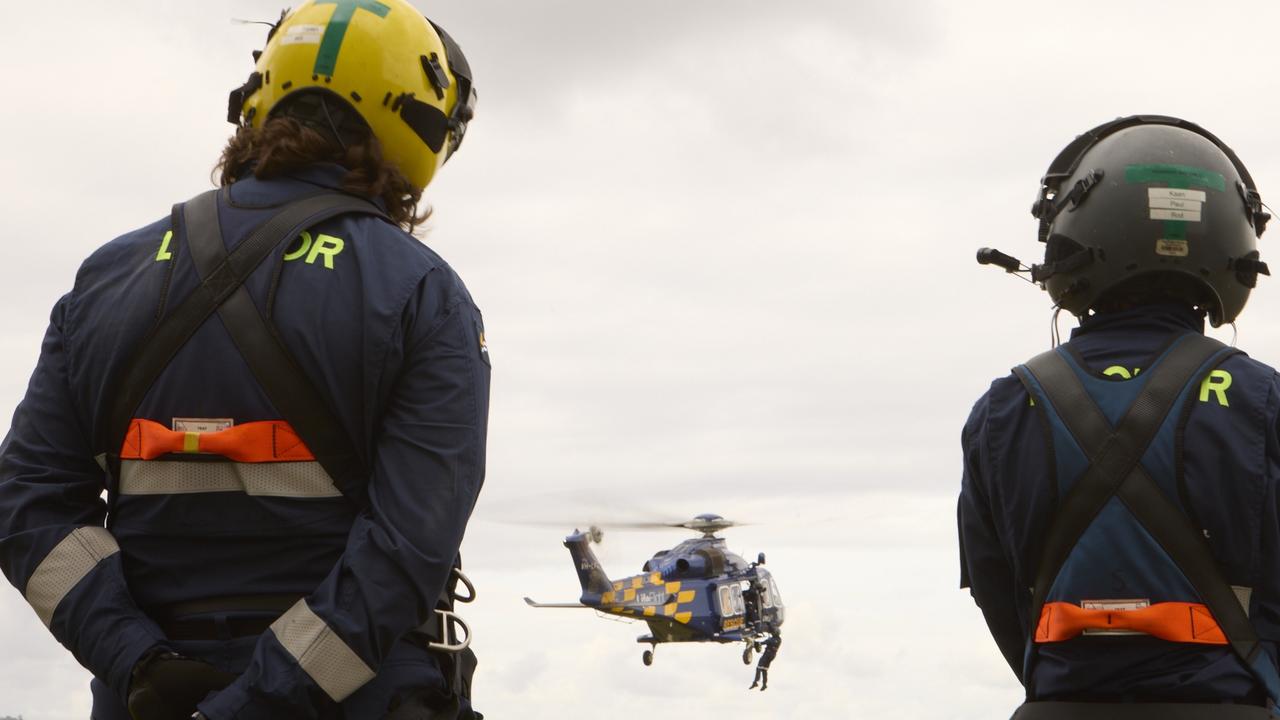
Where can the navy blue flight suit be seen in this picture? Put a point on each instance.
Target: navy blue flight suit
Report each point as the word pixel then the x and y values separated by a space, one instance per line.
pixel 1227 469
pixel 389 335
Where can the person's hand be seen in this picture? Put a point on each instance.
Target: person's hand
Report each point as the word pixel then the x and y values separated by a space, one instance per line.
pixel 167 686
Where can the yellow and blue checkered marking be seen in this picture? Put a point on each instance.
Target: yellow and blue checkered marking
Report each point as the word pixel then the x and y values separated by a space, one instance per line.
pixel 638 595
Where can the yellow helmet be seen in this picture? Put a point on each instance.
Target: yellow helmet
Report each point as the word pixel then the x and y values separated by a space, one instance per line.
pixel 399 71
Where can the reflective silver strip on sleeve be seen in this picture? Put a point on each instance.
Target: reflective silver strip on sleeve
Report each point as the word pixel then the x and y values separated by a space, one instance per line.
pixel 65 565
pixel 275 479
pixel 320 652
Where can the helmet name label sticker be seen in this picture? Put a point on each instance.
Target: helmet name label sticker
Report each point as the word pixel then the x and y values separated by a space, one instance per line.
pixel 303 35
pixel 1176 194
pixel 1175 204
pixel 1172 248
pixel 1183 215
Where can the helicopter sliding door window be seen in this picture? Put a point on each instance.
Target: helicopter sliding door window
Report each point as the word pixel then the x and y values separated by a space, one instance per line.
pixel 731 602
pixel 766 596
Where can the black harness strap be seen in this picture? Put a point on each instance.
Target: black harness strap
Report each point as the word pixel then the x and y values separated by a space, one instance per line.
pixel 1115 470
pixel 218 283
pixel 274 367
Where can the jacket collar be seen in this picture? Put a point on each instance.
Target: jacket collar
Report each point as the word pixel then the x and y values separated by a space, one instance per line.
pixel 1170 317
pixel 249 191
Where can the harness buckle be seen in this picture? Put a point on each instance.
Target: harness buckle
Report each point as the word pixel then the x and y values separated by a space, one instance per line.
pixel 440 630
pixel 448 621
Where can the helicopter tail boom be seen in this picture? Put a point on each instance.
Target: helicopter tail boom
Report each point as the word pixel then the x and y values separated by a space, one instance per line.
pixel 590 574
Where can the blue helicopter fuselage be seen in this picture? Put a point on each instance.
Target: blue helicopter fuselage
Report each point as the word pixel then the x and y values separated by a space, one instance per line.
pixel 698 591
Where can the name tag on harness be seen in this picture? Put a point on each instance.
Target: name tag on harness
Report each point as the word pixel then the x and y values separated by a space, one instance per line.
pixel 1118 606
pixel 202 425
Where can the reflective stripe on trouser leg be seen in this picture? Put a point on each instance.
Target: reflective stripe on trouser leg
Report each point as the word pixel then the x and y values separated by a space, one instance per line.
pixel 329 661
pixel 273 479
pixel 65 566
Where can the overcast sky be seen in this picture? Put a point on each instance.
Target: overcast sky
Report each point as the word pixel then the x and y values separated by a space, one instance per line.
pixel 724 249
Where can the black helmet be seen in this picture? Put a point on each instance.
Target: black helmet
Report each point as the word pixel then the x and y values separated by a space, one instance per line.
pixel 1151 198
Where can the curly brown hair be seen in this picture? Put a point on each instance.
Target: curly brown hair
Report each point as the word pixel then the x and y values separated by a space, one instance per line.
pixel 283 145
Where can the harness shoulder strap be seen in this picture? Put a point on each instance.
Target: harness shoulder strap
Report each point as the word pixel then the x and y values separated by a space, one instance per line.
pixel 1113 454
pixel 222 278
pixel 272 364
pixel 1115 471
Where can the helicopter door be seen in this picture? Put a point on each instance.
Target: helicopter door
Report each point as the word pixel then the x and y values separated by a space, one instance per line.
pixel 732 607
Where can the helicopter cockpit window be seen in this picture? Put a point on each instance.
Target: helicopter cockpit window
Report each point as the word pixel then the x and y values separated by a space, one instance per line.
pixel 766 595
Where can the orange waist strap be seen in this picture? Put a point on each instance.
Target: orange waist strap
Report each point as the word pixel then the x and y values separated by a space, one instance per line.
pixel 1173 621
pixel 255 442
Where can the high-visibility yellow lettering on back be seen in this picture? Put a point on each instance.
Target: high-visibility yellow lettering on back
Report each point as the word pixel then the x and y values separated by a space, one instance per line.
pixel 323 246
pixel 164 253
pixel 1121 372
pixel 1217 384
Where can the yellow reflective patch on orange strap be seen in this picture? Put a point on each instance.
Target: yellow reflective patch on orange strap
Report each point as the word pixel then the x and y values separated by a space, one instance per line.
pixel 191 442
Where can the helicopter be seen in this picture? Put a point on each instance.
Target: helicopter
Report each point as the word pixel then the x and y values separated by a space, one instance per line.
pixel 697 591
